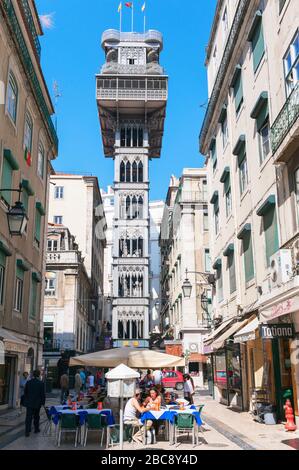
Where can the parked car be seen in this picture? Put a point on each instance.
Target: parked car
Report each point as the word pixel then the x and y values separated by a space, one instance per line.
pixel 173 379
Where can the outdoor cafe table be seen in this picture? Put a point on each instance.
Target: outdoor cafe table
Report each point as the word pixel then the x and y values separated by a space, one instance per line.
pixel 168 414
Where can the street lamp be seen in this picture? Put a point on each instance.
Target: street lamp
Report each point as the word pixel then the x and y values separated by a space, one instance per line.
pixel 16 216
pixel 187 286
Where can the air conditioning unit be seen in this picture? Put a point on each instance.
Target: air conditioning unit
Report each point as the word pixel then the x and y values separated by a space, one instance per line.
pixel 193 347
pixel 280 268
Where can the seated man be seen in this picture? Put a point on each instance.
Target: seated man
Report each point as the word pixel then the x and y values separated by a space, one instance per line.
pixel 132 412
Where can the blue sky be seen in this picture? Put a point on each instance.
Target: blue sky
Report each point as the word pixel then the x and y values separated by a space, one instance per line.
pixel 71 55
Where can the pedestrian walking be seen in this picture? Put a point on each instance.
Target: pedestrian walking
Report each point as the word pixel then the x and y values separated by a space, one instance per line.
pixel 78 383
pixel 34 399
pixel 64 385
pixel 23 380
pixel 189 389
pixel 157 374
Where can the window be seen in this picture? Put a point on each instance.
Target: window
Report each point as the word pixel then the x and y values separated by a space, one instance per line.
pixel 33 299
pixel 2 276
pixel 39 212
pixel 265 145
pixel 41 161
pixel 232 271
pixel 215 60
pixel 205 190
pixel 291 65
pixel 271 233
pixel 225 23
pixel 207 261
pixel 256 38
pixel 281 5
pixel 206 221
pixel 248 256
pixel 216 219
pixel 12 97
pixel 213 154
pixel 28 132
pixel 59 192
pixel 58 219
pixel 19 286
pixel 243 171
pixel 297 191
pixel 9 165
pixel 131 136
pixel 219 283
pixel 228 202
pixel 224 130
pixel 50 289
pixel 238 90
pixel 52 245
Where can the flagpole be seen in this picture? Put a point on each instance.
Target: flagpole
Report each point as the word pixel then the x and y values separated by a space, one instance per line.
pixel 144 23
pixel 120 20
pixel 132 17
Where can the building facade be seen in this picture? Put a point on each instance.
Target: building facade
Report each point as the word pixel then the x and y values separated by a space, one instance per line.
pixel 249 136
pixel 131 97
pixel 28 143
pixel 69 314
pixel 156 209
pixel 80 195
pixel 184 244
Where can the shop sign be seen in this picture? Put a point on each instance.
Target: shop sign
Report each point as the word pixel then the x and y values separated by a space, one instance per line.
pixel 15 347
pixel 280 330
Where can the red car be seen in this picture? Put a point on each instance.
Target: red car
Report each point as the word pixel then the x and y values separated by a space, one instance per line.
pixel 173 379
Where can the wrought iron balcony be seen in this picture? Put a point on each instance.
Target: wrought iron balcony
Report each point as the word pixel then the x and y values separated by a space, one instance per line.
pixel 121 69
pixel 18 37
pixel 31 26
pixel 149 89
pixel 52 345
pixel 115 36
pixel 285 120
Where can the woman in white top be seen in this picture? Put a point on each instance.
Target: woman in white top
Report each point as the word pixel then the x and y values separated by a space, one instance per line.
pixel 188 389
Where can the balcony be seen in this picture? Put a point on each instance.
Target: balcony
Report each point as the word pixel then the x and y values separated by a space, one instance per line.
pixel 120 89
pixel 52 345
pixel 63 257
pixel 114 36
pixel 31 26
pixel 33 79
pixel 192 197
pixel 286 125
pixel 121 69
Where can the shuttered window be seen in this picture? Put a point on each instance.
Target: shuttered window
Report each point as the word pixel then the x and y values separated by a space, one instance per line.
pixel 258 43
pixel 219 284
pixel 6 181
pixel 232 271
pixel 248 256
pixel 271 233
pixel 2 275
pixel 238 91
pixel 38 219
pixel 33 299
pixel 213 154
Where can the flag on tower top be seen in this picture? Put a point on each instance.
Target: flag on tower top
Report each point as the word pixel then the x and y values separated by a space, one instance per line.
pixel 143 7
pixel 129 4
pixel 120 7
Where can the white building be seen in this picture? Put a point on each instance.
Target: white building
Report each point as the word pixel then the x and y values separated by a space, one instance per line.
pixel 131 96
pixel 76 203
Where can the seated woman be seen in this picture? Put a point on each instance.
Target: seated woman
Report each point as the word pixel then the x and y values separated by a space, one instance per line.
pixel 132 412
pixel 154 400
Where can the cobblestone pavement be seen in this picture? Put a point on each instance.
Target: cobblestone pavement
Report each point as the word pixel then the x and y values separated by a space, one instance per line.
pixel 223 429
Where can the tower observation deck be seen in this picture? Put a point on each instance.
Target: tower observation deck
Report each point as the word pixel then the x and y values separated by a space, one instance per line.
pixel 131 93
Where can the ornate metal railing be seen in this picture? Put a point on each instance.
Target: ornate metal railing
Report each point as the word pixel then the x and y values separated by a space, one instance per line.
pixel 29 67
pixel 121 69
pixel 31 25
pixel 223 68
pixel 115 36
pixel 285 120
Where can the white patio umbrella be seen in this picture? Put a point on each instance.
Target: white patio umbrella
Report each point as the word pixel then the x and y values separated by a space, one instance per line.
pixel 131 357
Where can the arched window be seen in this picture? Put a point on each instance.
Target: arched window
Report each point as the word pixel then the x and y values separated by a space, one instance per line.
pixel 141 330
pixel 120 330
pixel 140 208
pixel 128 172
pixel 41 161
pixel 134 247
pixel 12 97
pixel 123 137
pixel 140 137
pixel 140 246
pixel 134 169
pixel 135 137
pixel 140 172
pixel 128 207
pixel 128 139
pixel 122 172
pixel 135 208
pixel 134 329
pixel 28 132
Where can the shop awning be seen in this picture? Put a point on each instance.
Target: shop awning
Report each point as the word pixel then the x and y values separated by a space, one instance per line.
pixel 217 331
pixel 219 343
pixel 11 342
pixel 248 332
pixel 278 309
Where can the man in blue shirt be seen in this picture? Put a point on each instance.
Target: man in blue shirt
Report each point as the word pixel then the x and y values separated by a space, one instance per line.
pixel 83 378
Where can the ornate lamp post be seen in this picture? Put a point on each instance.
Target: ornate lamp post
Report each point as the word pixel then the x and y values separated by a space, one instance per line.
pixel 16 215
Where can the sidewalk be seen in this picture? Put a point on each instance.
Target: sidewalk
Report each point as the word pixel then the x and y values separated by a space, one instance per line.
pixel 12 424
pixel 241 426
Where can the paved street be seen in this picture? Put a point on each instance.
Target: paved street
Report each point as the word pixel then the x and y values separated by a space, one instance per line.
pixel 223 429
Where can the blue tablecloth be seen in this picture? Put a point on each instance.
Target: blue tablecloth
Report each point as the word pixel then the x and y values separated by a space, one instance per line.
pixel 169 415
pixel 56 413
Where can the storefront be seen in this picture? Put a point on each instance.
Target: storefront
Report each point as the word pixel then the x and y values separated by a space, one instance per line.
pixel 280 327
pixel 13 357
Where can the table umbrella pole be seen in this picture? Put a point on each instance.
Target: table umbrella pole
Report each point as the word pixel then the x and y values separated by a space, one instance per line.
pixel 121 424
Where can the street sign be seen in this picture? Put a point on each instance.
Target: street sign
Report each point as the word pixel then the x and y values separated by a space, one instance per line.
pixel 279 330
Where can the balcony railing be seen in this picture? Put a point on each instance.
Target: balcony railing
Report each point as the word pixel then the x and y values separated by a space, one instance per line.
pixel 52 345
pixel 31 26
pixel 127 69
pixel 192 197
pixel 113 35
pixel 286 119
pixel 130 89
pixel 29 68
pixel 63 257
